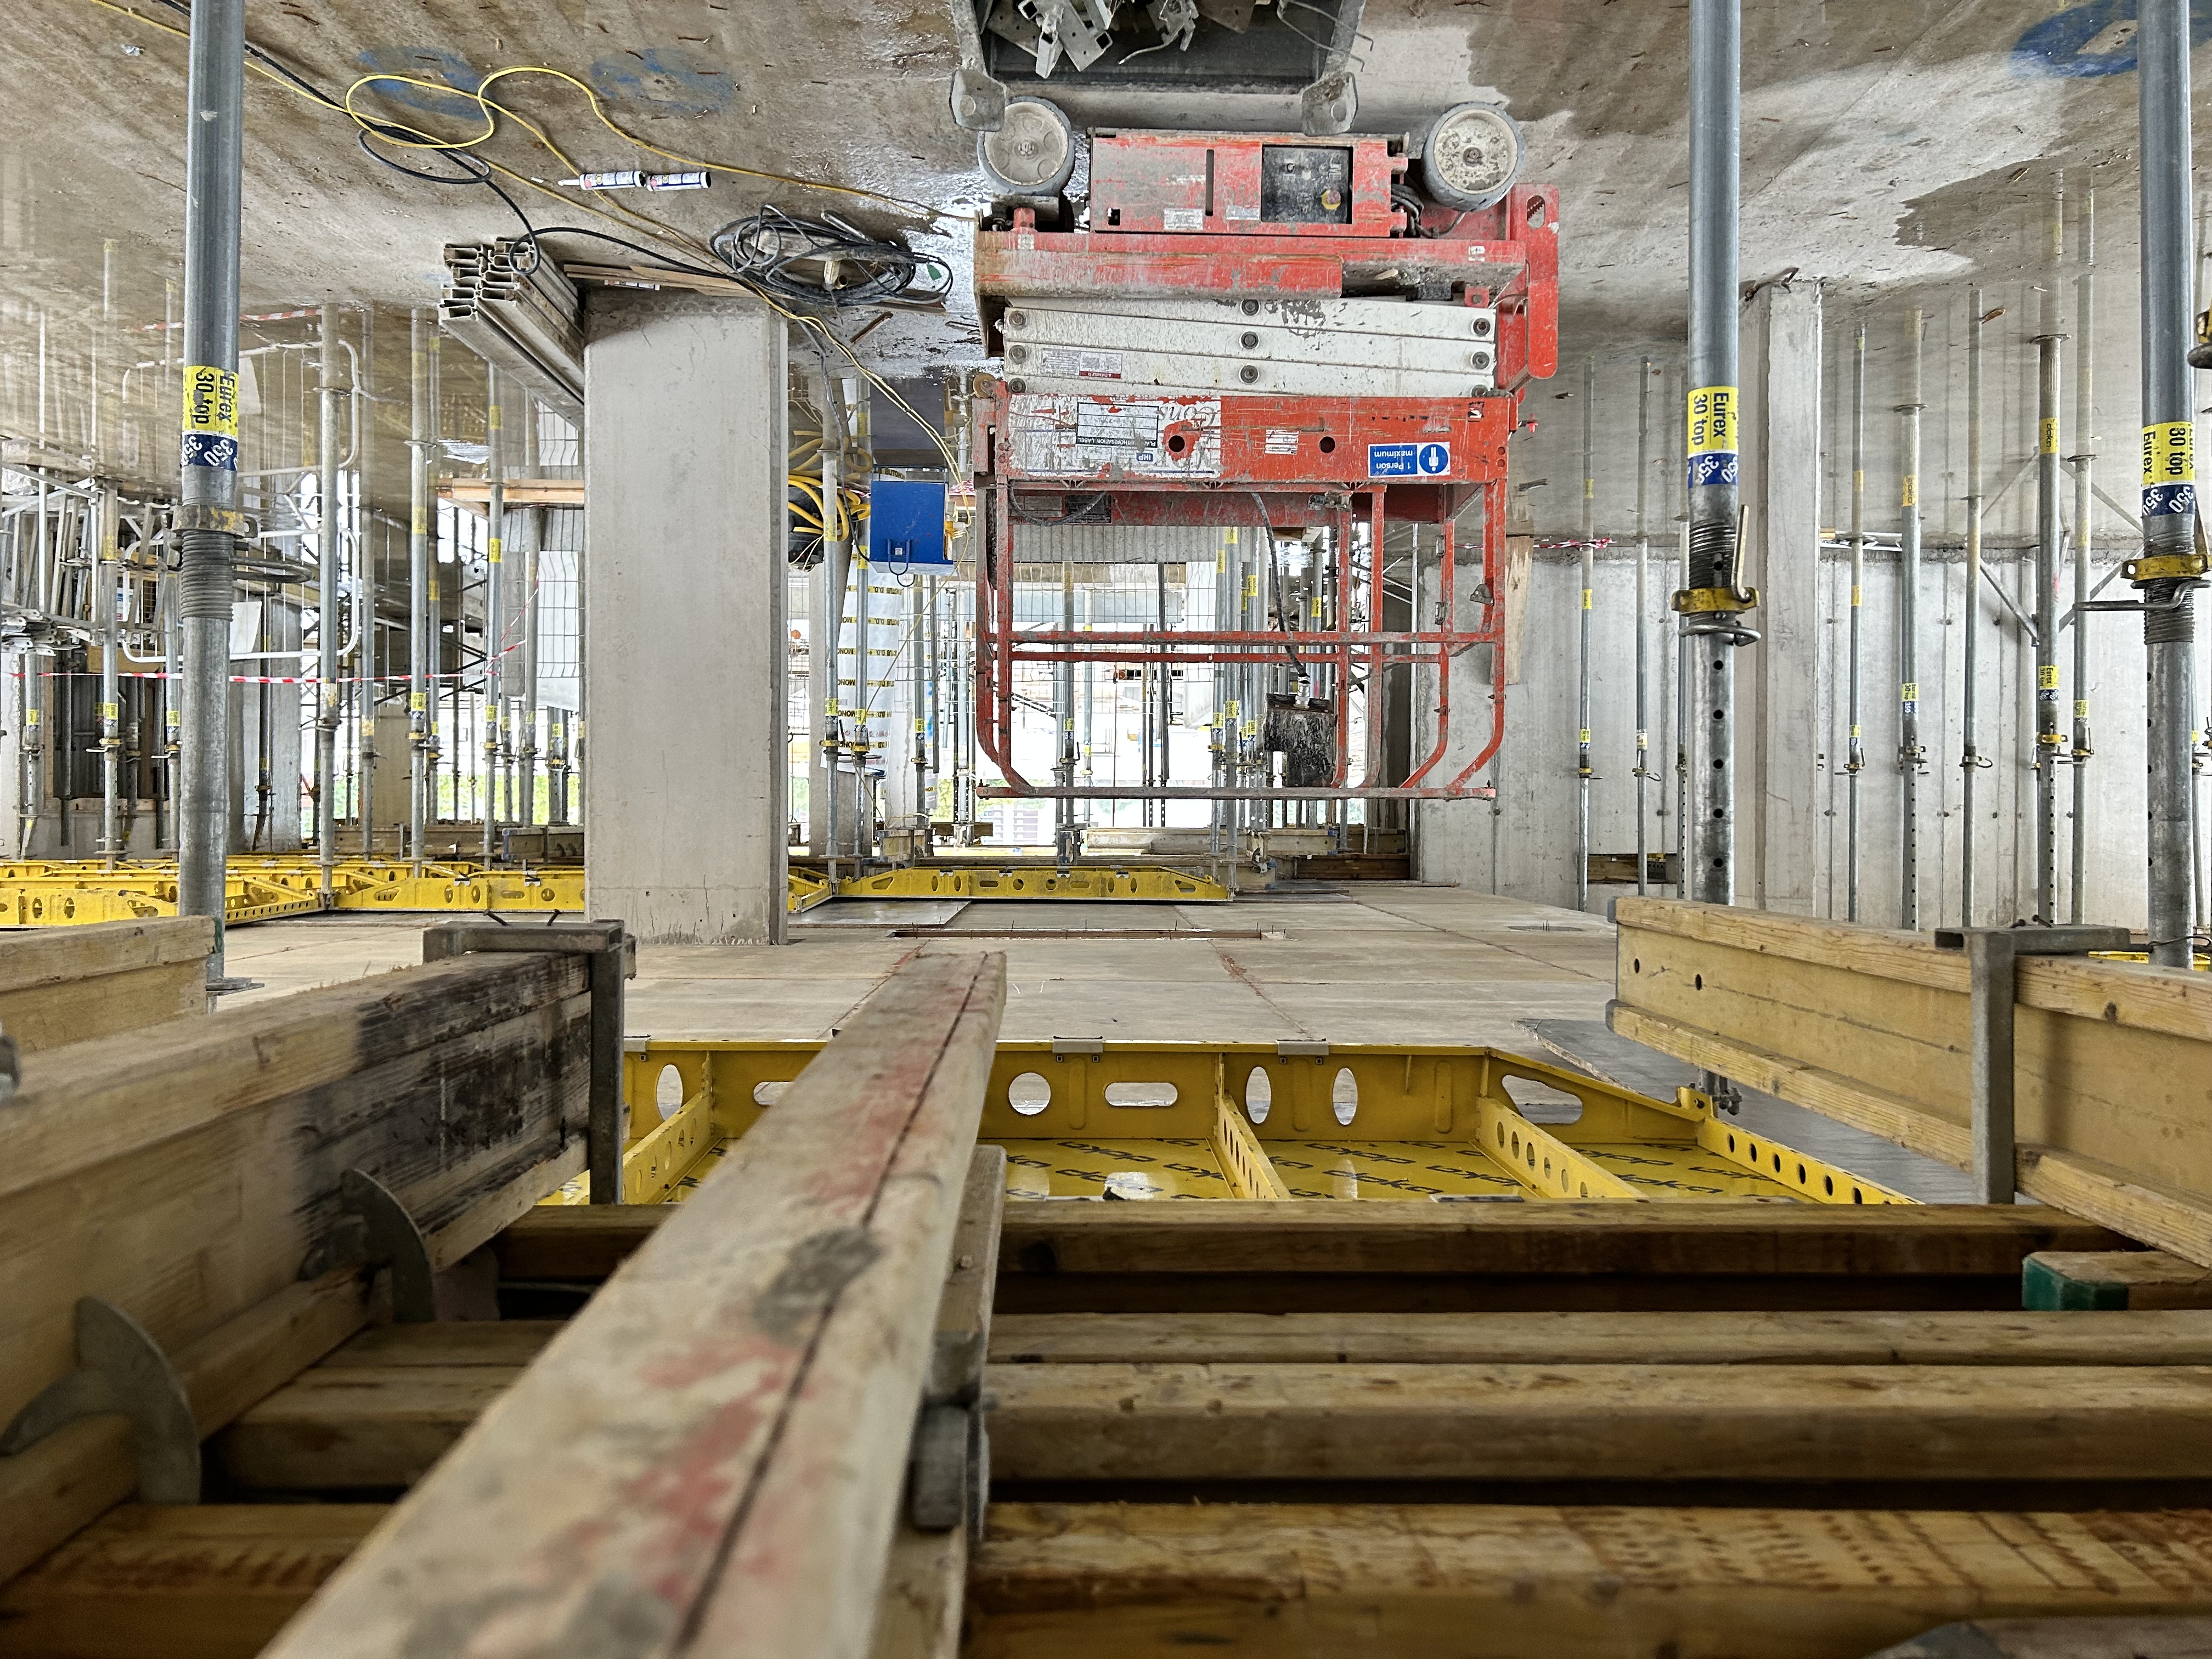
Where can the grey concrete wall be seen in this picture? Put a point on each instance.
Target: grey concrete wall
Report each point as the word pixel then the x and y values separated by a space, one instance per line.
pixel 684 581
pixel 1792 848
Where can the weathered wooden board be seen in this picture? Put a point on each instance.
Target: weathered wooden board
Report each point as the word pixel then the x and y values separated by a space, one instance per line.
pixel 2081 1280
pixel 65 985
pixel 186 1176
pixel 1619 1422
pixel 1067 1581
pixel 1320 1237
pixel 715 1446
pixel 2112 1060
pixel 216 1580
pixel 1316 1255
pixel 2178 1337
pixel 356 1428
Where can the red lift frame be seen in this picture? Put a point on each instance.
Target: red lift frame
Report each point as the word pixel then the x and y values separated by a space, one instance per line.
pixel 1325 482
pixel 1215 455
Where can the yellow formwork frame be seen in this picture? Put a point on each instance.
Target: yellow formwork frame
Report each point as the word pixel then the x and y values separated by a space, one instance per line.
pixel 77 892
pixel 1398 1103
pixel 1142 883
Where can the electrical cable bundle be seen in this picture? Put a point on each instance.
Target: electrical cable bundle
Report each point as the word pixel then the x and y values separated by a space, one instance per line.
pixel 771 249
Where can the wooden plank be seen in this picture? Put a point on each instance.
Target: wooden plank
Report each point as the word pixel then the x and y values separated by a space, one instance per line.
pixel 1139 1581
pixel 576 1243
pixel 65 985
pixel 2176 1338
pixel 512 1343
pixel 186 1176
pixel 519 492
pixel 214 1581
pixel 2086 1279
pixel 2112 1060
pixel 926 1576
pixel 357 1428
pixel 1720 1240
pixel 1621 1422
pixel 2138 1638
pixel 715 1445
pixel 1709 1246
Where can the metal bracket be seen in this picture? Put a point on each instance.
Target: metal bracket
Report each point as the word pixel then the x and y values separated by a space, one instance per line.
pixel 1300 1049
pixel 121 1371
pixel 1330 106
pixel 1992 955
pixel 948 1468
pixel 376 1231
pixel 614 959
pixel 1078 1047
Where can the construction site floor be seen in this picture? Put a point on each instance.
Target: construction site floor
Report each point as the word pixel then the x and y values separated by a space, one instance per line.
pixel 1370 963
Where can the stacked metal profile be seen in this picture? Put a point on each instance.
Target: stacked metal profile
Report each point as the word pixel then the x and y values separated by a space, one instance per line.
pixel 513 307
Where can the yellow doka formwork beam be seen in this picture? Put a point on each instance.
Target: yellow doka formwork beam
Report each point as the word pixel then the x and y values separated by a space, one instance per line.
pixel 1262 1122
pixel 77 892
pixel 1143 884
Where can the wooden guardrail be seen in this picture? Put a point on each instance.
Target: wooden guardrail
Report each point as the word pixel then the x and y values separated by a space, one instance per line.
pixel 711 1454
pixel 2111 1060
pixel 202 1182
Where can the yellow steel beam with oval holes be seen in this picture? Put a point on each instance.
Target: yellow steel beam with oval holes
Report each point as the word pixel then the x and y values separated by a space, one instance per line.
pixel 1289 1121
pixel 1137 883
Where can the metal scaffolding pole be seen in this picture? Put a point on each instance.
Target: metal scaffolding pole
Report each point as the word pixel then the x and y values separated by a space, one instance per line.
pixel 208 518
pixel 1855 762
pixel 327 626
pixel 1714 600
pixel 2085 470
pixel 495 610
pixel 1910 753
pixel 418 578
pixel 2171 569
pixel 107 572
pixel 2050 533
pixel 1644 772
pixel 1588 566
pixel 1970 754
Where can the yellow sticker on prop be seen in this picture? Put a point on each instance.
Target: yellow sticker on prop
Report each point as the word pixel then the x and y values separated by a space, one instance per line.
pixel 31 717
pixel 1586 599
pixel 2169 453
pixel 2081 708
pixel 1856 598
pixel 1712 419
pixel 109 711
pixel 1583 736
pixel 210 400
pixel 2046 678
pixel 491 554
pixel 416 702
pixel 1909 691
pixel 1911 490
pixel 2047 435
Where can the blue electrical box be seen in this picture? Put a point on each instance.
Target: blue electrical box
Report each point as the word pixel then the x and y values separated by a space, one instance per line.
pixel 905 525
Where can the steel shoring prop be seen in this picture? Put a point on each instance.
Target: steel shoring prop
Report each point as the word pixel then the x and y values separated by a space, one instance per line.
pixel 1970 756
pixel 1587 566
pixel 1644 774
pixel 327 688
pixel 2085 466
pixel 1712 605
pixel 1855 762
pixel 208 518
pixel 1910 752
pixel 494 611
pixel 2050 533
pixel 2171 569
pixel 418 580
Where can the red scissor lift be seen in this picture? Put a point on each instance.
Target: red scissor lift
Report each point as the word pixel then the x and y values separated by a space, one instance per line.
pixel 1177 455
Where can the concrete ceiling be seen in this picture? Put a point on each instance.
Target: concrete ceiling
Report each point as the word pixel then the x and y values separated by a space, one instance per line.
pixel 1889 145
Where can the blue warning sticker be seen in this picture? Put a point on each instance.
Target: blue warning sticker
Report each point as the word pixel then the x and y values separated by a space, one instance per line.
pixel 1427 460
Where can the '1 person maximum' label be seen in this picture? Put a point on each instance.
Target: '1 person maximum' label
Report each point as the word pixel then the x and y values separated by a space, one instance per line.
pixel 1429 460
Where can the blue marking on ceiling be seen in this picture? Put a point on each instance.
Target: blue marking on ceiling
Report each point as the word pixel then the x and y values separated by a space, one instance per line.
pixel 2097 38
pixel 422 63
pixel 665 80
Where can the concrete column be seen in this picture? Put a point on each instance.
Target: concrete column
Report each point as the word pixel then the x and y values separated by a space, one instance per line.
pixel 1781 795
pixel 684 524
